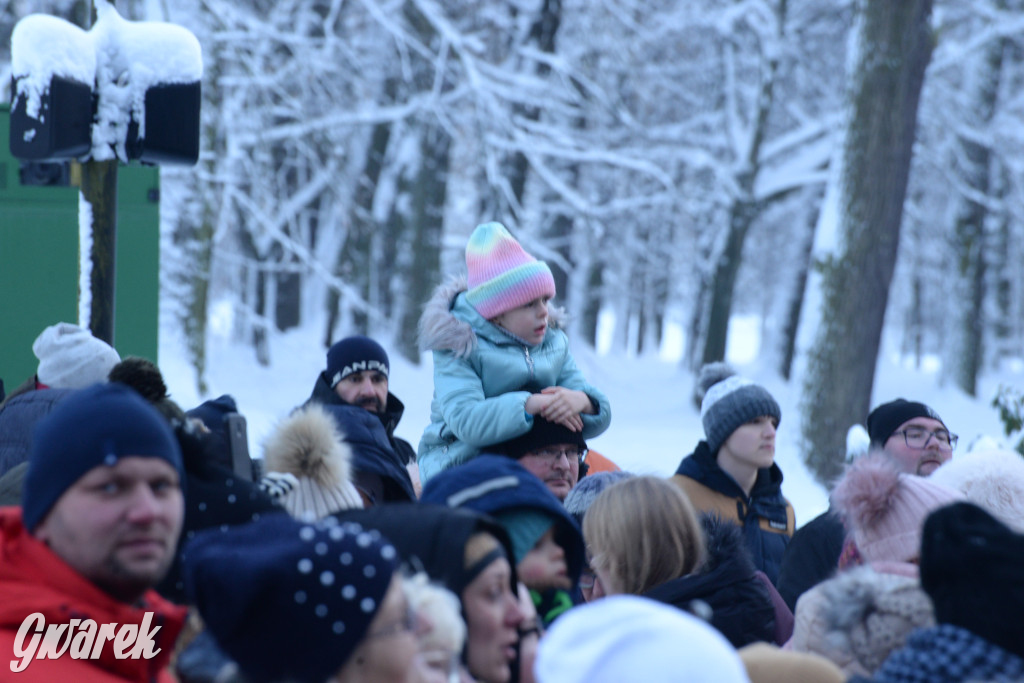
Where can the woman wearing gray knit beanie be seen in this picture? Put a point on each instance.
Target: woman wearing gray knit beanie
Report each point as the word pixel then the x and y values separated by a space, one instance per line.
pixel 732 471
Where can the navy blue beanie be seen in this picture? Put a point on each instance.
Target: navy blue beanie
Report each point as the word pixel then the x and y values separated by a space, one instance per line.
pixel 355 354
pixel 289 600
pixel 93 426
pixel 214 411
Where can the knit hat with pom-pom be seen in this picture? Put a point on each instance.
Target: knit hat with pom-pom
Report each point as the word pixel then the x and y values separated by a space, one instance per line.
pixel 502 276
pixel 884 509
pixel 729 401
pixel 309 446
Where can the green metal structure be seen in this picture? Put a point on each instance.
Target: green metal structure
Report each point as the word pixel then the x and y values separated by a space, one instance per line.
pixel 39 261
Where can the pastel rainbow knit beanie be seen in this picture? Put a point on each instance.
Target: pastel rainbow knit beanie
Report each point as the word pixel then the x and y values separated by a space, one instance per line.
pixel 502 276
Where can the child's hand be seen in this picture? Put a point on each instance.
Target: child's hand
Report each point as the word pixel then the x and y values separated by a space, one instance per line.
pixel 541 404
pixel 566 407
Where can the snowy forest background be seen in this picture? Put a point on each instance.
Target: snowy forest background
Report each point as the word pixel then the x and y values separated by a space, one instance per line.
pixel 847 172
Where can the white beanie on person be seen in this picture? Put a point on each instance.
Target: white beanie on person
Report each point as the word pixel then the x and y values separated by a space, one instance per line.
pixel 71 358
pixel 991 478
pixel 630 638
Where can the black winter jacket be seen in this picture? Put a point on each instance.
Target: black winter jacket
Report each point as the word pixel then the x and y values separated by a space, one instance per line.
pixel 740 606
pixel 811 556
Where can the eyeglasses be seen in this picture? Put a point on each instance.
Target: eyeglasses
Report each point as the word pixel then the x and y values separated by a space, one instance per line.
pixel 407 624
pixel 918 437
pixel 553 454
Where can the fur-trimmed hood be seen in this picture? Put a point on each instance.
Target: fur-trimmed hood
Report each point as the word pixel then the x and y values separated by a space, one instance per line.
pixel 859 617
pixel 442 328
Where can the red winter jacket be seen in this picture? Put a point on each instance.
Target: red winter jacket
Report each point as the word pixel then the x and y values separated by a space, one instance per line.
pixel 34 580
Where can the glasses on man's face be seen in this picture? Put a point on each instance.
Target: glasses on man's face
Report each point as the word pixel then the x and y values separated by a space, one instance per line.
pixel 552 454
pixel 406 624
pixel 919 437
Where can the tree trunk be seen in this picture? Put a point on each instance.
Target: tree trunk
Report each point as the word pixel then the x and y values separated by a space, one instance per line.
pixel 423 227
pixel 744 210
pixel 590 307
pixel 353 263
pixel 895 45
pixel 970 227
pixel 796 302
pixel 723 282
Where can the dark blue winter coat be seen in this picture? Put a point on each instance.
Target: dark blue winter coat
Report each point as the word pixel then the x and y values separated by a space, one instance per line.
pixel 766 516
pixel 18 417
pixel 376 467
pixel 493 484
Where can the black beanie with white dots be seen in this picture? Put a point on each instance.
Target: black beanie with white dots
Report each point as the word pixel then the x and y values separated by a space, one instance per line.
pixel 289 600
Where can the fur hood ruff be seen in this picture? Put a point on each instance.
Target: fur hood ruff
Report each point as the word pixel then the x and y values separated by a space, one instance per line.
pixel 440 330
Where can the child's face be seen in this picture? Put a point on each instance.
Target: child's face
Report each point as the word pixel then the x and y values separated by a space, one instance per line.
pixel 544 566
pixel 529 322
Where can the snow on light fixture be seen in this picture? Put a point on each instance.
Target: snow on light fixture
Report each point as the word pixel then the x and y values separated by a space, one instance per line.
pixel 123 90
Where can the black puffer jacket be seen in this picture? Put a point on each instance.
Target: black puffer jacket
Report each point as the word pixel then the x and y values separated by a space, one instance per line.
pixel 377 471
pixel 392 415
pixel 741 608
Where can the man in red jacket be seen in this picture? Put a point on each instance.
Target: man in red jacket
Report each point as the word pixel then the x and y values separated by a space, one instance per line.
pixel 101 512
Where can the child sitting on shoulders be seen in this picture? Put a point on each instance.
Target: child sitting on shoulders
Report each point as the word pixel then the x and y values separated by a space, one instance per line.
pixel 499 356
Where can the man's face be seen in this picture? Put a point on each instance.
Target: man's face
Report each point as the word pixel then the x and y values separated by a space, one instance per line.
pixel 367 389
pixel 118 526
pixel 557 465
pixel 919 461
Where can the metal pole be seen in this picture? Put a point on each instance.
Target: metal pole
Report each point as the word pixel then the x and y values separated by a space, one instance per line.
pixel 99 189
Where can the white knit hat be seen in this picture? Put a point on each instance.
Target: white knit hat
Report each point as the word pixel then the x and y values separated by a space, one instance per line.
pixel 629 638
pixel 992 479
pixel 308 446
pixel 71 358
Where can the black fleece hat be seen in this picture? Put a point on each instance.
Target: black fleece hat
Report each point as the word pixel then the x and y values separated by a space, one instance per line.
pixel 541 435
pixel 887 418
pixel 971 569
